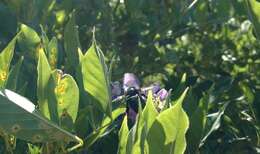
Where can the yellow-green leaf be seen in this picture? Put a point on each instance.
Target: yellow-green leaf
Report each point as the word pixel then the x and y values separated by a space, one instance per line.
pixel 5 60
pixel 254 15
pixel 144 123
pixel 19 117
pixel 66 95
pixel 28 40
pixel 167 134
pixel 53 53
pixel 44 74
pixel 94 74
pixel 123 137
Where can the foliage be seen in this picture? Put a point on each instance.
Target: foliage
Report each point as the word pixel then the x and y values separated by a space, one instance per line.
pixel 215 44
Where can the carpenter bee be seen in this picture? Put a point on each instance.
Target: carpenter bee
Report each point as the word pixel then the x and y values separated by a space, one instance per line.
pixel 133 97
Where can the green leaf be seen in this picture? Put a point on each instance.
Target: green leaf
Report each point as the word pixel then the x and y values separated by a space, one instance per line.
pixel 71 42
pixel 44 38
pixel 254 15
pixel 134 7
pixel 5 60
pixel 247 92
pixel 53 52
pixel 134 135
pixel 122 137
pixel 130 140
pixel 44 74
pixel 200 14
pixel 94 74
pixel 34 148
pixel 80 55
pixel 66 95
pixel 136 146
pixel 28 40
pixel 20 118
pixel 224 9
pixel 105 124
pixel 213 123
pixel 13 76
pixel 167 134
pixel 149 112
pixel 181 87
pixel 197 125
pixel 144 123
pixel 191 102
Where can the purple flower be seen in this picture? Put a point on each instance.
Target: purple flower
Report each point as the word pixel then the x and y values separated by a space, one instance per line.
pixel 130 80
pixel 162 94
pixel 154 87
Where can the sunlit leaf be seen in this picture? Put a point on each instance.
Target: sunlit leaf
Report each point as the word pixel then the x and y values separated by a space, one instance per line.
pixel 254 15
pixel 28 40
pixel 53 52
pixel 122 137
pixel 66 95
pixel 94 73
pixel 167 134
pixel 5 60
pixel 21 119
pixel 44 74
pixel 130 140
pixel 145 121
pixel 149 112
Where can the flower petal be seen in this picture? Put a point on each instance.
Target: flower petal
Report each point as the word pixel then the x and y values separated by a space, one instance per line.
pixel 162 94
pixel 130 80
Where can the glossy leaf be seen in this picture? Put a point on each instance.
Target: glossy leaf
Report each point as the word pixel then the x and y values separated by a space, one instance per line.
pixel 44 74
pixel 145 121
pixel 254 15
pixel 20 118
pixel 53 52
pixel 5 60
pixel 94 73
pixel 130 140
pixel 122 137
pixel 66 95
pixel 28 40
pixel 167 134
pixel 149 112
